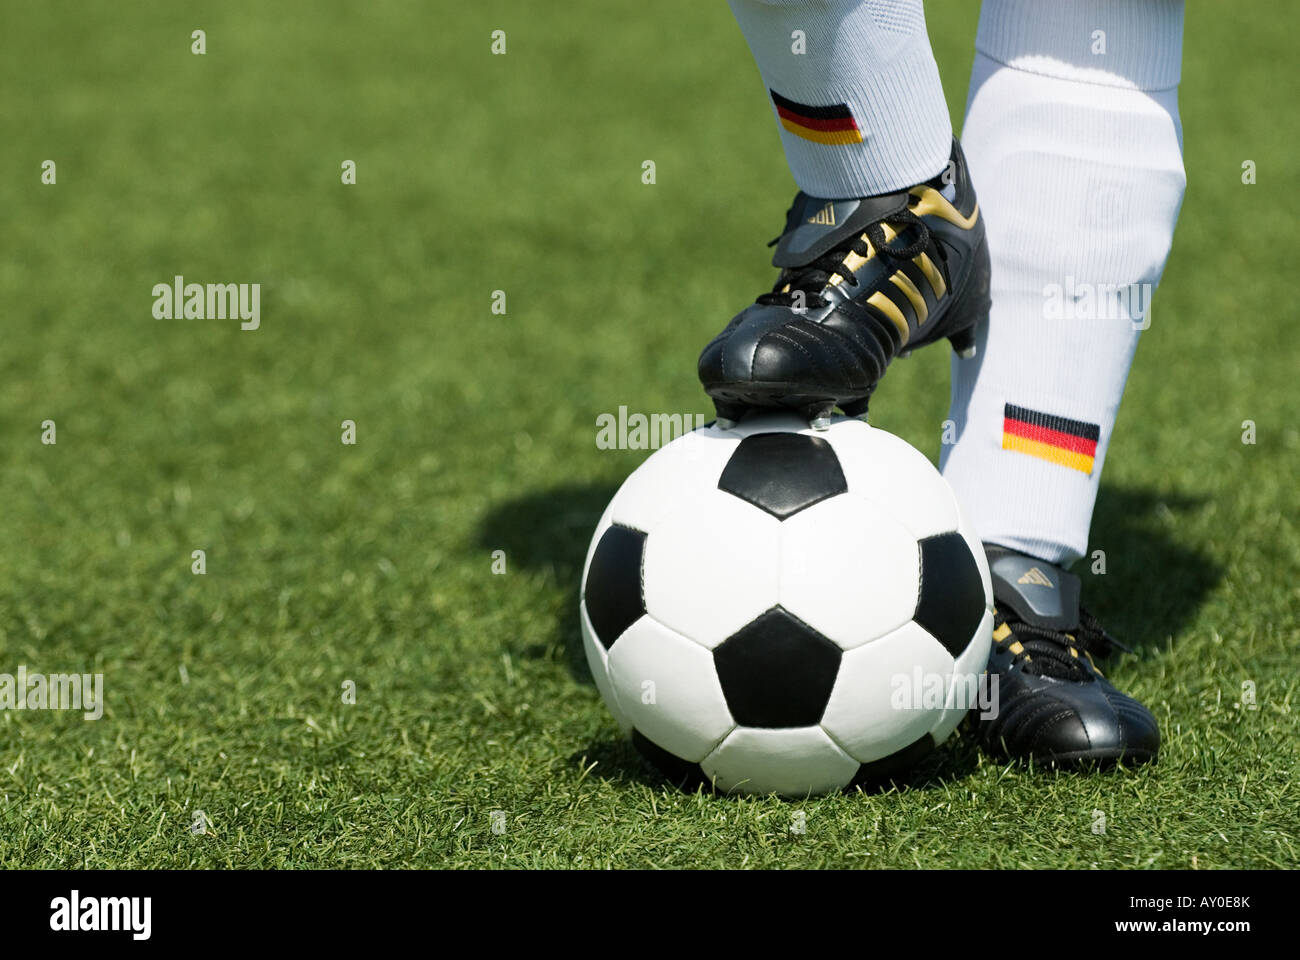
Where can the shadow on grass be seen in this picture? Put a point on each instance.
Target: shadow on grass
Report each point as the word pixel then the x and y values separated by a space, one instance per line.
pixel 1153 585
pixel 548 531
pixel 617 761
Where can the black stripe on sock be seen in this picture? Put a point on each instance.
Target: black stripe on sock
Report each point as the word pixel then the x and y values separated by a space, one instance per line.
pixel 1075 428
pixel 839 111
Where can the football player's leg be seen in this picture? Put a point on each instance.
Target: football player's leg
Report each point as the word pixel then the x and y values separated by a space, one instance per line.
pixel 854 89
pixel 1072 129
pixel 883 247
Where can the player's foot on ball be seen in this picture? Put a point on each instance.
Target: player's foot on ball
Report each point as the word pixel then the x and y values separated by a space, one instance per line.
pixel 862 281
pixel 1053 704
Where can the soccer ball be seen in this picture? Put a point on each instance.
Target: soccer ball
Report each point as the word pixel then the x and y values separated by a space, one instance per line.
pixel 770 609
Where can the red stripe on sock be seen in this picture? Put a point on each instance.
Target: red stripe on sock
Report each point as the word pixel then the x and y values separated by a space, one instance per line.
pixel 813 123
pixel 1055 438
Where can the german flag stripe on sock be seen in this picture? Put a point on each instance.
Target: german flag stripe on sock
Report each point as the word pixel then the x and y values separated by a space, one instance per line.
pixel 834 124
pixel 1059 440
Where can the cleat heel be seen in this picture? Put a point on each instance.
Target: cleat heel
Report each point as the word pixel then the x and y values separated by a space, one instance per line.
pixel 971 311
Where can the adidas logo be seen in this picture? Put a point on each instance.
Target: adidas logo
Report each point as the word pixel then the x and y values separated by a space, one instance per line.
pixel 1035 577
pixel 825 217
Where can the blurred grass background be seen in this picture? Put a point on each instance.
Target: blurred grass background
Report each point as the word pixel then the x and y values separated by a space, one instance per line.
pixel 476 432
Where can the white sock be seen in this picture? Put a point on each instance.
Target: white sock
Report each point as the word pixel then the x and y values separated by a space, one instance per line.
pixel 861 109
pixel 1076 155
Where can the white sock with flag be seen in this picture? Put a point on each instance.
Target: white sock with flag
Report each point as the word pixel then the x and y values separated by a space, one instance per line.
pixel 854 89
pixel 1075 149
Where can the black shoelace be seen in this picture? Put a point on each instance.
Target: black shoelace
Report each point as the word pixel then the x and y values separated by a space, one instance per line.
pixel 1046 653
pixel 812 278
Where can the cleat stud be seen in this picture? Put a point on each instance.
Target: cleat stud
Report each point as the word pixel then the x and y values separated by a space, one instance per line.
pixel 855 408
pixel 728 412
pixel 819 413
pixel 904 354
pixel 963 342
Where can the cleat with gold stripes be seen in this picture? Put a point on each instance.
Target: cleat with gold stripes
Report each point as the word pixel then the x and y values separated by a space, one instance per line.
pixel 862 281
pixel 1052 703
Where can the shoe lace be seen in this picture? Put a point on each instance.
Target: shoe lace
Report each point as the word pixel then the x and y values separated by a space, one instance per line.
pixel 1046 652
pixel 813 277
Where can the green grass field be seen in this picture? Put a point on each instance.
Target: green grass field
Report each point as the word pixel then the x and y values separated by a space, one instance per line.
pixel 372 563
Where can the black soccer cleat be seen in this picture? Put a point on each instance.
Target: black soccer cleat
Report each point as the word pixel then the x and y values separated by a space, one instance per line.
pixel 1053 704
pixel 862 281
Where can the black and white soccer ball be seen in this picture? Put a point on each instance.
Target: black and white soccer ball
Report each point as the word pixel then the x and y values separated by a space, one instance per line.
pixel 756 602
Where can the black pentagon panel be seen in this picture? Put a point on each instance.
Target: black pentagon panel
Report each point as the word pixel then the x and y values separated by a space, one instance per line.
pixel 783 473
pixel 879 774
pixel 950 603
pixel 680 773
pixel 613 594
pixel 777 671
